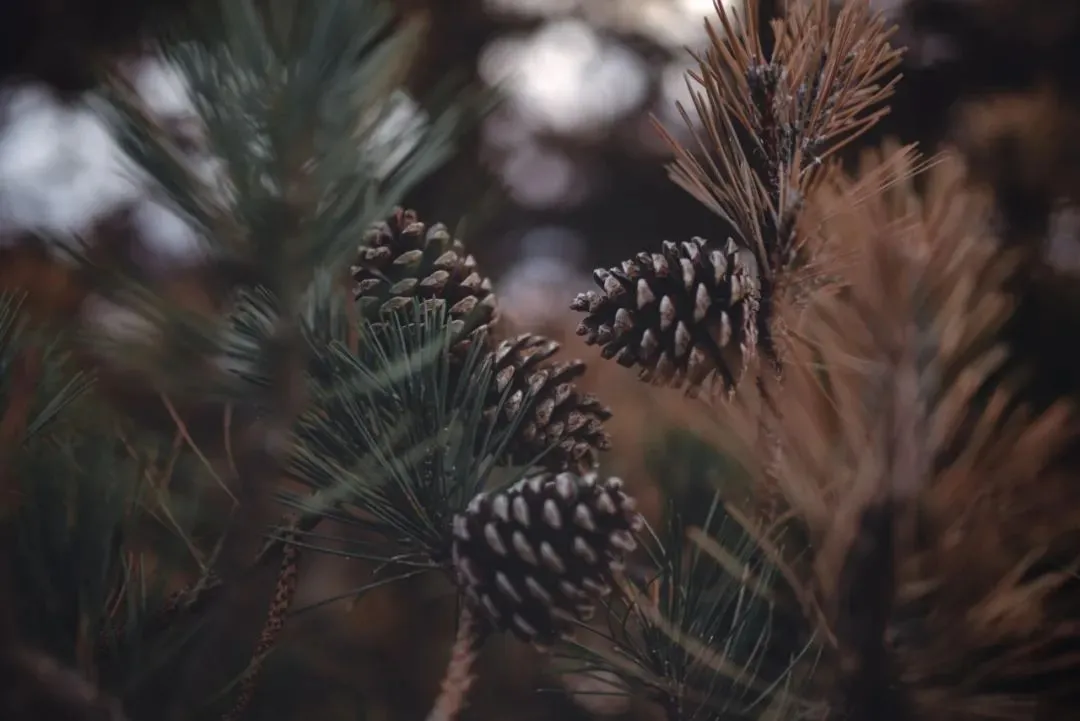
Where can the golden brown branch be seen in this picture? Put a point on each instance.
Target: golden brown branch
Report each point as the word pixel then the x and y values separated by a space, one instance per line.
pixel 943 541
pixel 769 122
pixel 763 124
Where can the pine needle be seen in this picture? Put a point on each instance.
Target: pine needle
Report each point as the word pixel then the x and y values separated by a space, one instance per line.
pixel 770 122
pixel 928 494
pixel 764 125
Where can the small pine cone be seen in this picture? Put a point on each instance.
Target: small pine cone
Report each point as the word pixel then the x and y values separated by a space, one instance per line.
pixel 535 557
pixel 402 260
pixel 685 315
pixel 560 416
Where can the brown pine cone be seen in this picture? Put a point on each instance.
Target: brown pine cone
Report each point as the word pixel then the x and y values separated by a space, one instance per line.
pixel 560 416
pixel 685 316
pixel 539 554
pixel 402 260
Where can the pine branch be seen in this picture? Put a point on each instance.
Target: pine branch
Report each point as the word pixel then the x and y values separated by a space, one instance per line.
pixel 707 629
pixel 404 259
pixel 396 443
pixel 876 401
pixel 295 103
pixel 697 313
pixel 770 121
pixel 295 106
pixel 297 126
pixel 459 676
pixel 89 558
pixel 890 460
pixel 284 591
pixel 292 116
pixel 75 553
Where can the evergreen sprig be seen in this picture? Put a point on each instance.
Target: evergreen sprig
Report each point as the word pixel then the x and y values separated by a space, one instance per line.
pixel 99 520
pixel 302 149
pixel 395 442
pixel 704 625
pixel 40 358
pixel 294 105
pixel 301 152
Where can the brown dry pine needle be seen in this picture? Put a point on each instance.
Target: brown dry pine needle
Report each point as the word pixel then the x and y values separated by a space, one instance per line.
pixel 763 127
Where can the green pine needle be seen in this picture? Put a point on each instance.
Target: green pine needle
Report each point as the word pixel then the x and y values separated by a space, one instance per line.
pixel 299 102
pixel 59 387
pixel 103 519
pixel 706 628
pixel 83 549
pixel 298 120
pixel 396 442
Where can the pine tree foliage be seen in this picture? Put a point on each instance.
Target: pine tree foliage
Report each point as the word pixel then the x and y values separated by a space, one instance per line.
pixel 293 98
pixel 698 312
pixel 298 74
pixel 294 104
pixel 403 260
pixel 938 530
pixel 931 264
pixel 932 453
pixel 907 547
pixel 395 437
pixel 707 628
pixel 884 530
pixel 19 362
pixel 95 533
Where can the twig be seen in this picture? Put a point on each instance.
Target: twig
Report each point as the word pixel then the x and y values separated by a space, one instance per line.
pixel 198 597
pixel 459 677
pixel 182 429
pixel 284 593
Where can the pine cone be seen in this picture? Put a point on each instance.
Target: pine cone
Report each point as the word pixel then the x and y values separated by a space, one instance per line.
pixel 560 415
pixel 540 553
pixel 685 315
pixel 402 260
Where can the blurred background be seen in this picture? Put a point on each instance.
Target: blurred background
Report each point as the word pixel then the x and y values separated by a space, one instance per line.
pixel 567 174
